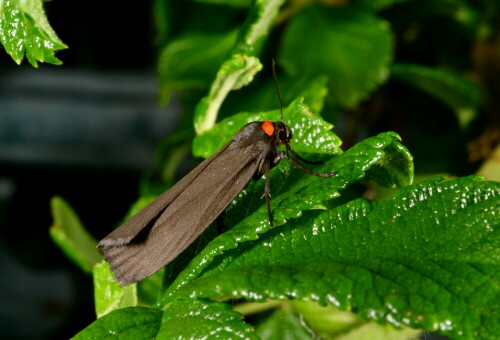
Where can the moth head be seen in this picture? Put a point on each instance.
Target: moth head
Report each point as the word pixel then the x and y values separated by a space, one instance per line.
pixel 282 133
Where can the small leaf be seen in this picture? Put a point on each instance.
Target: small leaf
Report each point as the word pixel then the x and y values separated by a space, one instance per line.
pixel 458 93
pixel 235 73
pixel 257 26
pixel 284 324
pixel 311 133
pixel 24 30
pixel 126 323
pixel 240 68
pixel 395 169
pixel 200 319
pixel 70 235
pixel 108 294
pixel 338 41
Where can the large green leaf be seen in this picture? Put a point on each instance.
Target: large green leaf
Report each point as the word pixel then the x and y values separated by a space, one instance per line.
pixel 311 133
pixel 24 30
pixel 337 45
pixel 191 319
pixel 68 232
pixel 458 93
pixel 428 258
pixel 298 193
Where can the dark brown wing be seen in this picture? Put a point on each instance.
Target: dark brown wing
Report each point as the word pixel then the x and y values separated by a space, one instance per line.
pixel 133 226
pixel 183 213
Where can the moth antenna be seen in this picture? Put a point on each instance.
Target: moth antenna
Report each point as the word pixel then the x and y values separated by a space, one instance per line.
pixel 277 89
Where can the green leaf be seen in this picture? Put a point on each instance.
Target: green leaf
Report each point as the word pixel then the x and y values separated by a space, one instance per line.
pixel 395 169
pixel 70 235
pixel 257 25
pixel 199 319
pixel 192 60
pixel 239 69
pixel 283 324
pixel 108 294
pixel 126 323
pixel 24 30
pixel 428 259
pixel 457 92
pixel 299 192
pixel 235 73
pixel 311 133
pixel 337 45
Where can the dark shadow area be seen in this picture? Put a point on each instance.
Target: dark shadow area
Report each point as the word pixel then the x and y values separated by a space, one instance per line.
pixel 85 131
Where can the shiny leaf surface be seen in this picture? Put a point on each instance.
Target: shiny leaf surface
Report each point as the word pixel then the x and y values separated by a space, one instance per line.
pixel 126 323
pixel 311 133
pixel 24 30
pixel 200 318
pixel 427 258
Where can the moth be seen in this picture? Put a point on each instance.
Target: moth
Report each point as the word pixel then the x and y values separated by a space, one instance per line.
pixel 162 230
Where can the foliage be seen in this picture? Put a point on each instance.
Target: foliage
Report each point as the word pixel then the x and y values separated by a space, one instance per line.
pixel 24 30
pixel 348 260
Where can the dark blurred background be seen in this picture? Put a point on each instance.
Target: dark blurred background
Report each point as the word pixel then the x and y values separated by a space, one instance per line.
pixel 80 131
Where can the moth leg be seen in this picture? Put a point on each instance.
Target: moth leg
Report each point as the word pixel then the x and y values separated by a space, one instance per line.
pixel 267 191
pixel 296 155
pixel 279 157
pixel 299 166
